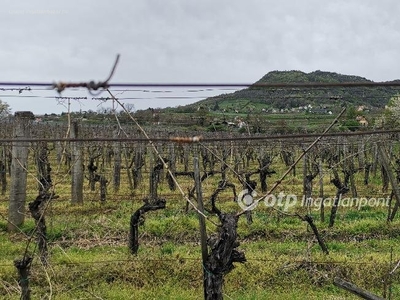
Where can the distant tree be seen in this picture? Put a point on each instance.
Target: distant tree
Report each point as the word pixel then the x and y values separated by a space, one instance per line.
pixel 143 116
pixel 350 122
pixel 130 107
pixel 202 115
pixel 105 111
pixel 216 106
pixel 394 107
pixel 5 110
pixel 391 115
pixel 351 113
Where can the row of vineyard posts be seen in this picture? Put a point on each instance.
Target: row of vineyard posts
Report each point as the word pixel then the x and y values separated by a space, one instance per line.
pixel 237 166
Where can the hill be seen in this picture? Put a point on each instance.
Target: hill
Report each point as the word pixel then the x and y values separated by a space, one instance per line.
pixel 256 98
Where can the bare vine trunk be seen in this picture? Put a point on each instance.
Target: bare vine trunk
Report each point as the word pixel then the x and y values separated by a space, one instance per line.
pixel 222 256
pixel 37 209
pixel 137 219
pixel 153 203
pixel 341 189
pixel 23 266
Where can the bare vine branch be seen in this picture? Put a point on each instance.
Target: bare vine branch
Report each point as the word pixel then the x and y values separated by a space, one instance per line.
pixel 166 167
pixel 279 181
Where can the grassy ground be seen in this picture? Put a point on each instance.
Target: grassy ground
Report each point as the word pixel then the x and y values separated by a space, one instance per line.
pixel 89 257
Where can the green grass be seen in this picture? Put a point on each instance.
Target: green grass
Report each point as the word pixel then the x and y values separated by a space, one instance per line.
pixel 90 258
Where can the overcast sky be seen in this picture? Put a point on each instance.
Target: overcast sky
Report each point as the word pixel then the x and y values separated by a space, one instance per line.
pixel 181 41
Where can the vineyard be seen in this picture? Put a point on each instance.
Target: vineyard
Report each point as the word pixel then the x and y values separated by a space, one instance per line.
pixel 99 212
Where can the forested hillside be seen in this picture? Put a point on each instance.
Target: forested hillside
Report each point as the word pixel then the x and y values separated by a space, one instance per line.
pixel 280 98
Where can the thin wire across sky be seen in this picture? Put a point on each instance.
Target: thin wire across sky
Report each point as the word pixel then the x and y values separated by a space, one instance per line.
pixel 28 95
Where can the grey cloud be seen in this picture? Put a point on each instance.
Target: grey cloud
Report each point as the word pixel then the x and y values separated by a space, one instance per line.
pixel 196 41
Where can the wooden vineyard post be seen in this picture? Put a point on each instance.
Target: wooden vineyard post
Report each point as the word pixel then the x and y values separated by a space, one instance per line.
pixel 321 190
pixel 138 165
pixel 202 221
pixel 153 182
pixel 3 170
pixel 186 158
pixel 367 165
pixel 16 211
pixel 375 154
pixel 59 151
pixel 348 286
pixel 77 166
pixel 117 162
pixel 351 169
pixel 306 190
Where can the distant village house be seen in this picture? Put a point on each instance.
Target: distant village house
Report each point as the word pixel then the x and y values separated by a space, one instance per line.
pixel 362 121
